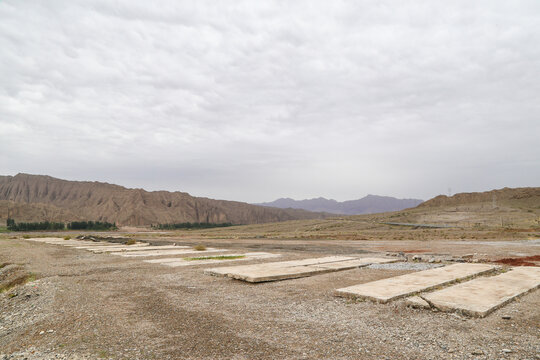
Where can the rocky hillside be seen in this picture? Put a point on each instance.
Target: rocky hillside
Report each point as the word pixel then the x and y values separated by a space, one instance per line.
pixel 369 204
pixel 523 197
pixel 38 197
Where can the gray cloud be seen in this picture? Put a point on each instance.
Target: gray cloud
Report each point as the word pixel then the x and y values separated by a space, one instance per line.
pixel 254 100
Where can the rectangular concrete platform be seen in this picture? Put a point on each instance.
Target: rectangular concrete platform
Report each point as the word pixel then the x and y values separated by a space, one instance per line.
pixel 175 262
pixel 70 243
pixel 405 285
pixel 481 296
pixel 58 241
pixel 128 248
pixel 75 243
pixel 165 252
pixel 111 246
pixel 293 269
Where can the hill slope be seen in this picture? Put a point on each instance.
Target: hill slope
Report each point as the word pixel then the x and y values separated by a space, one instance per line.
pixel 74 200
pixel 516 215
pixel 367 205
pixel 507 196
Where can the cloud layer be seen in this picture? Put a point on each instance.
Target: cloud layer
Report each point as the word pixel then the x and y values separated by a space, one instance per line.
pixel 255 100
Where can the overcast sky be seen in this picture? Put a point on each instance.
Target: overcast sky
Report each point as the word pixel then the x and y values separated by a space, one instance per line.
pixel 255 100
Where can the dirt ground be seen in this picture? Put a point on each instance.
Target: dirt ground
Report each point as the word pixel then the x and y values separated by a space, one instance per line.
pixel 85 306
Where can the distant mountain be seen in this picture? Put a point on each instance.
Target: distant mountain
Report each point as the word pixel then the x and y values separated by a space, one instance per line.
pixel 367 205
pixel 40 197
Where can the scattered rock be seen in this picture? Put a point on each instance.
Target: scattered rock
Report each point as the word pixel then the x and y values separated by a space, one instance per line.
pixel 477 352
pixel 506 317
pixel 506 351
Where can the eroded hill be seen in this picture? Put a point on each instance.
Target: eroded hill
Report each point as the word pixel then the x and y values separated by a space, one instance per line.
pixel 37 197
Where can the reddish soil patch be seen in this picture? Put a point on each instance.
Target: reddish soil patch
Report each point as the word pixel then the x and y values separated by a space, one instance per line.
pixel 520 261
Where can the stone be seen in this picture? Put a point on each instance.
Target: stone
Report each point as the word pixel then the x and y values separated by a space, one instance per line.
pixel 417 302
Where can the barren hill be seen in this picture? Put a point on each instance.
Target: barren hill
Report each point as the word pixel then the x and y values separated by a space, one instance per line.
pixel 529 196
pixel 39 197
pixel 515 214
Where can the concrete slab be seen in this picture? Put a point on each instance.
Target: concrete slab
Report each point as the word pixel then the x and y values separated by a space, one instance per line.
pixel 89 244
pixel 127 248
pixel 405 285
pixel 293 269
pixel 86 242
pixel 69 243
pixel 175 262
pixel 225 271
pixel 53 240
pixel 76 242
pixel 110 245
pixel 165 252
pixel 481 296
pixel 44 239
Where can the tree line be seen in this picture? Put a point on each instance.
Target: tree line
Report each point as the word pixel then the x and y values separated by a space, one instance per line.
pixel 49 225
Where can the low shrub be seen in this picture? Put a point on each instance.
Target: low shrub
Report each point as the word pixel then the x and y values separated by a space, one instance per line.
pixel 199 247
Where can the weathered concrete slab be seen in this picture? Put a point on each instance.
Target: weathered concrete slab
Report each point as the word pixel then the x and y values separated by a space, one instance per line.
pixel 70 243
pixel 165 252
pixel 405 285
pixel 73 243
pixel 175 262
pixel 51 240
pixel 481 296
pixel 128 248
pixel 96 244
pixel 293 269
pixel 110 246
pixel 65 242
pixel 225 271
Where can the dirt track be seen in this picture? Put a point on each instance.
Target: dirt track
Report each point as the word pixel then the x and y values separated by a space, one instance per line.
pixel 98 305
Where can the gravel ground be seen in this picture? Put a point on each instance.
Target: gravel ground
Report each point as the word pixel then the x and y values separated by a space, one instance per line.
pixel 88 306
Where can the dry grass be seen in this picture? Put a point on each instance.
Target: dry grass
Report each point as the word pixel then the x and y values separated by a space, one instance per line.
pixel 199 247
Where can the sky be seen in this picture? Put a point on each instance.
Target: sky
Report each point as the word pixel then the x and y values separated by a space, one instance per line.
pixel 255 100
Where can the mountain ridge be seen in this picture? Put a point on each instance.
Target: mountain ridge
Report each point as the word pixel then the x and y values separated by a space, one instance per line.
pixel 369 204
pixel 76 200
